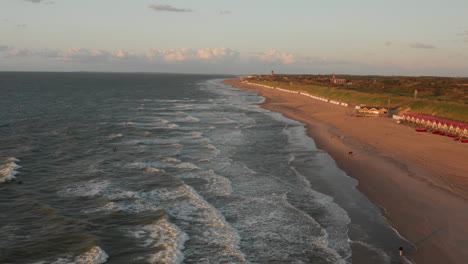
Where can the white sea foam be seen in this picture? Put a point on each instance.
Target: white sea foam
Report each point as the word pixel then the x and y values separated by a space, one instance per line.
pixel 192 118
pixel 194 135
pixel 88 188
pixel 216 184
pixel 144 166
pixel 115 135
pixel 95 255
pixel 336 218
pixel 153 141
pixel 172 125
pixel 8 170
pixel 172 160
pixel 168 124
pixel 220 240
pixel 151 169
pixel 186 165
pixel 184 203
pixel 165 236
pixel 168 162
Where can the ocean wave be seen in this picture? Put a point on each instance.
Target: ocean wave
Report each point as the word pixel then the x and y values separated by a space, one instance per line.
pixel 192 118
pixel 215 184
pixel 111 136
pixel 168 123
pixel 154 141
pixel 172 125
pixel 184 203
pixel 334 219
pixel 194 135
pixel 186 165
pixel 94 255
pixel 189 209
pixel 145 166
pixel 88 188
pixel 168 162
pixel 165 236
pixel 184 117
pixel 8 170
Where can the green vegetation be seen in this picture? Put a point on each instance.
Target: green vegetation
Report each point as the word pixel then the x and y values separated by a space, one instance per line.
pixel 437 100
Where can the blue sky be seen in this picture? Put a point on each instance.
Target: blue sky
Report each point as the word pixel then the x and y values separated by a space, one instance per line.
pixel 397 37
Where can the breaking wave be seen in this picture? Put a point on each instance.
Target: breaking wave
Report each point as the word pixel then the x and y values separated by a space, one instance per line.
pixel 8 170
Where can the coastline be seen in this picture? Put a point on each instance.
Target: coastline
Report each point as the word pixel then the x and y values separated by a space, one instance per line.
pixel 419 180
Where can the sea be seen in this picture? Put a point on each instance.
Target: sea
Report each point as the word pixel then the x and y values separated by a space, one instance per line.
pixel 170 168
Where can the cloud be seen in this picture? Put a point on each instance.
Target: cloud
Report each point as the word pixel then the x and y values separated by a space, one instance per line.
pixel 212 60
pixel 275 56
pixel 224 12
pixel 388 43
pixel 40 1
pixel 419 45
pixel 212 55
pixel 168 8
pixel 206 55
pixel 15 52
pixel 84 55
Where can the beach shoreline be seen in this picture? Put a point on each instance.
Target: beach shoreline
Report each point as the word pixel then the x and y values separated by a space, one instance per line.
pixel 419 180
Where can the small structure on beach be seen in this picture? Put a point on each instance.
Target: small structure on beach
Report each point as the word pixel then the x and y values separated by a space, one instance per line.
pixel 371 111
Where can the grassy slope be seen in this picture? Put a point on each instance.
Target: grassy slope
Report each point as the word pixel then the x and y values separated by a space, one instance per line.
pixel 449 110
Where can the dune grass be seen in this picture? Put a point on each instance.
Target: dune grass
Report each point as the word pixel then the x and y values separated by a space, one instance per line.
pixel 449 110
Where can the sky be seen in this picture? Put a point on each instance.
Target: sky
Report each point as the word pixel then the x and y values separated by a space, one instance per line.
pixel 383 37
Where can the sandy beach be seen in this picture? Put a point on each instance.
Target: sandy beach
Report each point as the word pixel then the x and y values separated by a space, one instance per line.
pixel 419 180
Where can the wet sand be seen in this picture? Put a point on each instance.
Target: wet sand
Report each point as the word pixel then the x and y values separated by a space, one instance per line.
pixel 420 180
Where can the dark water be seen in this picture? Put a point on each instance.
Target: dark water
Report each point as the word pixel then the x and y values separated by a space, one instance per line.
pixel 153 168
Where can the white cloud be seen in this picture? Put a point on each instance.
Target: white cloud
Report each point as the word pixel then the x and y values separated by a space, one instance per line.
pixel 210 60
pixel 224 12
pixel 207 54
pixel 168 8
pixel 419 45
pixel 84 55
pixel 275 56
pixel 15 52
pixel 40 1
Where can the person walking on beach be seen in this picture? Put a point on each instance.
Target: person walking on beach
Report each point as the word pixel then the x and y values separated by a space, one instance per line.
pixel 401 251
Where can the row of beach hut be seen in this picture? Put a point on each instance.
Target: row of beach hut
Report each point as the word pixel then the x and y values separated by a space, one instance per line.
pixel 438 124
pixel 301 93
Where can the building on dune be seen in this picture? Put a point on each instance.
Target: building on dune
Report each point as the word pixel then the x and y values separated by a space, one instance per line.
pixel 334 80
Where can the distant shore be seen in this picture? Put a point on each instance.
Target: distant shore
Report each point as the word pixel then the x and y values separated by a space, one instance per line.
pixel 419 180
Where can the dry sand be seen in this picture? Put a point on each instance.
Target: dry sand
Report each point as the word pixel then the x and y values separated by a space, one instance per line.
pixel 419 180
